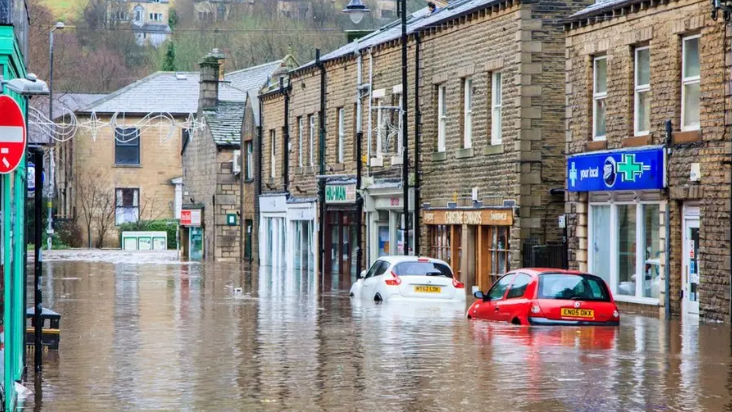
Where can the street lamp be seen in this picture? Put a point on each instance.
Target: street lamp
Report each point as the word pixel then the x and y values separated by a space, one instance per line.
pixel 49 231
pixel 356 10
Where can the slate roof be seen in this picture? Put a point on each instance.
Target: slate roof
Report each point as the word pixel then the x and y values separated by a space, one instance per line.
pixel 599 6
pixel 152 28
pixel 224 122
pixel 417 21
pixel 177 93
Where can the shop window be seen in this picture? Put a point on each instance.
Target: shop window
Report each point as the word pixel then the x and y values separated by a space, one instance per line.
pixel 642 98
pixel 499 250
pixel 441 242
pixel 599 97
pixel 496 108
pixel 691 83
pixel 625 249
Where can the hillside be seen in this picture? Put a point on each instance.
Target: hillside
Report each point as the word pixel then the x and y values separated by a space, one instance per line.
pixel 65 9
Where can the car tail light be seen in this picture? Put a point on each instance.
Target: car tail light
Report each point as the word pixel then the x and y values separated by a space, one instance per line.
pixel 394 282
pixel 458 285
pixel 616 314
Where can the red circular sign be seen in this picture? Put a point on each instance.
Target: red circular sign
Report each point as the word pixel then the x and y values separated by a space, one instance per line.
pixel 12 134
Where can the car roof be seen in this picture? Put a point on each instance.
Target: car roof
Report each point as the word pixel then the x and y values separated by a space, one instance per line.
pixel 400 259
pixel 542 271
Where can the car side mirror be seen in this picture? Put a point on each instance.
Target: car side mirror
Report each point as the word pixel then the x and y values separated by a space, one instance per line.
pixel 479 295
pixel 362 275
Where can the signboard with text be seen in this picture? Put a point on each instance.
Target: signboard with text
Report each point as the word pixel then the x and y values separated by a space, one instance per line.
pixel 640 169
pixel 491 217
pixel 340 193
pixel 190 217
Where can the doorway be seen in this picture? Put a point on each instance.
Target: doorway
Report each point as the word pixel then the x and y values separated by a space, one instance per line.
pixel 196 244
pixel 690 274
pixel 340 244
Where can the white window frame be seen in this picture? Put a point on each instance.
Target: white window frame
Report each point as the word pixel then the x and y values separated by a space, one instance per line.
pixel 614 246
pixel 250 160
pixel 341 134
pixel 688 80
pixel 596 97
pixel 301 126
pixel 273 154
pixel 496 108
pixel 639 89
pixel 467 112
pixel 441 118
pixel 379 119
pixel 400 135
pixel 312 140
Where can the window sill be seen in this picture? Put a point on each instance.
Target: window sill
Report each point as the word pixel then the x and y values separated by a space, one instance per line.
pixel 685 137
pixel 439 156
pixel 464 153
pixel 248 180
pixel 123 166
pixel 299 170
pixel 635 299
pixel 637 141
pixel 597 145
pixel 376 162
pixel 396 160
pixel 493 149
pixel 338 167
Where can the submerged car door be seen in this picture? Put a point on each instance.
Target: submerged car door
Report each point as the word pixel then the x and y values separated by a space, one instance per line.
pixel 490 309
pixel 372 279
pixel 515 305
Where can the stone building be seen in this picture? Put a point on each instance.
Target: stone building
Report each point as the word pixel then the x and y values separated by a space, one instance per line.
pixel 490 131
pixel 147 18
pixel 219 178
pixel 647 86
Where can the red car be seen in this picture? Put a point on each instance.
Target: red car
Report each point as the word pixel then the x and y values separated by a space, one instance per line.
pixel 547 297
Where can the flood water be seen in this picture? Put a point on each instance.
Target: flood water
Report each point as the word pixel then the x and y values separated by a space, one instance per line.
pixel 170 337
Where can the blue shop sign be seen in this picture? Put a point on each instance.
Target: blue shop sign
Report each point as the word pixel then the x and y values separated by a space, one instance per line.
pixel 639 169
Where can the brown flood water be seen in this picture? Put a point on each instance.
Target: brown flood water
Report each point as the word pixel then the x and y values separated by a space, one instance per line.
pixel 168 337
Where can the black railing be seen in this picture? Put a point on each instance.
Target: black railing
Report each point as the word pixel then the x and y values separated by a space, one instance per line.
pixel 552 255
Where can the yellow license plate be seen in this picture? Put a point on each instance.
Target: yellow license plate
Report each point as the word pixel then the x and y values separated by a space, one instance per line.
pixel 427 289
pixel 578 313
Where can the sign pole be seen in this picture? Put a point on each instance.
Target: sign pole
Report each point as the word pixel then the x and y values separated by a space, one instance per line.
pixel 38 238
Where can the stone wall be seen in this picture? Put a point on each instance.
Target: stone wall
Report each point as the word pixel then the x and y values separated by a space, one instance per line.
pixel 249 186
pixel 661 27
pixel 200 169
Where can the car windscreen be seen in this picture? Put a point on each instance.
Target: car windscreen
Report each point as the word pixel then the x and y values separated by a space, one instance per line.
pixel 572 287
pixel 422 269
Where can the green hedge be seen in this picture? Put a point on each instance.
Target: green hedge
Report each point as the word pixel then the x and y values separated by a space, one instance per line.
pixel 168 226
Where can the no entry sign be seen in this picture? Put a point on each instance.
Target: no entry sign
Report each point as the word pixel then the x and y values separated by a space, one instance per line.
pixel 12 134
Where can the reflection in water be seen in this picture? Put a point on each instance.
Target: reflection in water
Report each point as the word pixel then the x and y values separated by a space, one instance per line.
pixel 177 338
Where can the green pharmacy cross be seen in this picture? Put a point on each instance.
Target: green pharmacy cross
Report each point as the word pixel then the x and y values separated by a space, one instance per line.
pixel 629 169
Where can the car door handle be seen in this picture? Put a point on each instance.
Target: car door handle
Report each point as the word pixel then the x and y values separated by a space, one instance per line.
pixel 497 308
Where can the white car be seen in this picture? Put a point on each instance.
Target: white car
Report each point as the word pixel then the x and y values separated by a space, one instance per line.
pixel 406 278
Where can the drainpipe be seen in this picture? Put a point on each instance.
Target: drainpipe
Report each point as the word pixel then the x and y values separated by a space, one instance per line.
pixel 321 143
pixel 258 165
pixel 417 134
pixel 371 98
pixel 286 140
pixel 667 243
pixel 359 166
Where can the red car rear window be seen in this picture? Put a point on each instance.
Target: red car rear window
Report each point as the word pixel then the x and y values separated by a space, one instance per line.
pixel 572 287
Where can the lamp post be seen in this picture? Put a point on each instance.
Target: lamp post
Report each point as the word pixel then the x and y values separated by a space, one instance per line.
pixel 49 230
pixel 356 11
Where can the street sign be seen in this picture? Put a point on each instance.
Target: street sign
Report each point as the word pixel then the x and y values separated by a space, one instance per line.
pixel 12 134
pixel 190 217
pixel 31 177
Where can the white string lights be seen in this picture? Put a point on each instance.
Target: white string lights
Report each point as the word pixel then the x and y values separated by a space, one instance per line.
pixel 125 129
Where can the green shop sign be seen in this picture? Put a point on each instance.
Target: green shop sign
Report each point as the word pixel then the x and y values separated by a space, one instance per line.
pixel 340 194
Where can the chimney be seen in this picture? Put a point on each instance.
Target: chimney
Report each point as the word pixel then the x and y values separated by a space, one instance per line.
pixel 211 65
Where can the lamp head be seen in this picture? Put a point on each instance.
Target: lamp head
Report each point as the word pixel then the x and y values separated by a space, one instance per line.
pixel 356 10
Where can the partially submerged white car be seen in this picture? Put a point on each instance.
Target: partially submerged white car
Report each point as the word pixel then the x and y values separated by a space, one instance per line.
pixel 407 278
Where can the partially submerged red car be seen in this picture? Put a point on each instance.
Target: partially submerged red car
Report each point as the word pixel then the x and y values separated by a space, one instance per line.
pixel 547 297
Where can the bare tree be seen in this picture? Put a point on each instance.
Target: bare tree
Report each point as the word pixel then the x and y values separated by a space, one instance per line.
pixel 149 212
pixel 95 203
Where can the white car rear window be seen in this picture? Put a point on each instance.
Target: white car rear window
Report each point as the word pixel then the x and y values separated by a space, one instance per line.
pixel 422 269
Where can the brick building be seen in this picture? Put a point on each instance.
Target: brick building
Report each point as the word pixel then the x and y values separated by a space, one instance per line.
pixel 635 69
pixel 218 178
pixel 491 137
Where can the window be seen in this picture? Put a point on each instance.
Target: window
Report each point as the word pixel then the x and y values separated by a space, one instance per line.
pixel 518 288
pixel 642 115
pixel 568 287
pixel 468 113
pixel 273 154
pixel 499 289
pixel 398 121
pixel 311 153
pixel 496 108
pixel 625 249
pixel 440 242
pixel 156 16
pixel 442 118
pixel 300 132
pixel 127 146
pixel 127 206
pixel 379 128
pixel 422 269
pixel 185 135
pixel 498 247
pixel 691 83
pixel 375 268
pixel 599 95
pixel 249 174
pixel 139 13
pixel 341 134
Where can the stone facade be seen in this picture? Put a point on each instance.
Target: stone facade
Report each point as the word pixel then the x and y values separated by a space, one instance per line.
pixel 662 27
pixel 159 163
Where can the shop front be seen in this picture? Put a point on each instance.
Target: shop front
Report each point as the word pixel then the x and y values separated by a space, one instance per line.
pixel 340 228
pixel 191 233
pixel 273 230
pixel 625 204
pixel 301 236
pixel 474 241
pixel 384 208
